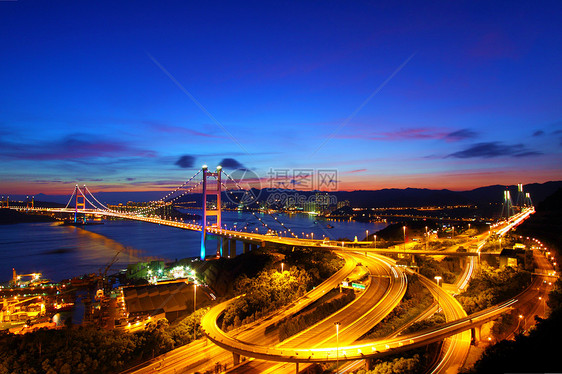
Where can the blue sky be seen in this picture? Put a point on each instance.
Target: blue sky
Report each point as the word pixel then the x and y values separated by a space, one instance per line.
pixel 113 94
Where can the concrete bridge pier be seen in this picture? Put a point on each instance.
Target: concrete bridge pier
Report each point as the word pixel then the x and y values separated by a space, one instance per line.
pixel 232 252
pixel 219 246
pixel 253 247
pixel 369 363
pixel 235 358
pixel 297 368
pixel 223 247
pixel 477 334
pixel 246 247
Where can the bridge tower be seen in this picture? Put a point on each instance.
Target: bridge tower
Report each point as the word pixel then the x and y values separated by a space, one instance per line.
pixel 528 201
pixel 29 203
pixel 80 202
pixel 520 196
pixel 507 208
pixel 212 191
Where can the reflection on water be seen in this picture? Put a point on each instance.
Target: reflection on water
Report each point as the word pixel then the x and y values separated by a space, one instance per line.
pixel 61 252
pixel 92 246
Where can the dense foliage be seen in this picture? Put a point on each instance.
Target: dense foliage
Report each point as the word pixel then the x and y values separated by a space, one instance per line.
pixel 300 322
pixel 271 289
pixel 492 286
pixel 265 293
pixel 533 353
pixel 447 268
pixel 399 365
pixel 319 264
pixel 92 350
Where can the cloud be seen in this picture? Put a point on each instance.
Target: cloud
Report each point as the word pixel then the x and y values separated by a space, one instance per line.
pixel 170 129
pixel 230 163
pixel 494 149
pixel 405 134
pixel 417 133
pixel 538 133
pixel 72 147
pixel 130 179
pixel 461 135
pixel 185 162
pixel 357 171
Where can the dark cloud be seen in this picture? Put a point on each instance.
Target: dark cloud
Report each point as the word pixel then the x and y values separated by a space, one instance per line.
pixel 72 147
pixel 528 153
pixel 230 163
pixel 494 149
pixel 185 162
pixel 461 135
pixel 130 179
pixel 538 133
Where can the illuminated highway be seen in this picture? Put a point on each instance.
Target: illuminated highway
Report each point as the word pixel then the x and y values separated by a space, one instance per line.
pixel 201 355
pixel 388 286
pixel 357 318
pixel 316 343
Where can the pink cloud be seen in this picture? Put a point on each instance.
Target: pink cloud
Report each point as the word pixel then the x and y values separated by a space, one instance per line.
pixel 402 134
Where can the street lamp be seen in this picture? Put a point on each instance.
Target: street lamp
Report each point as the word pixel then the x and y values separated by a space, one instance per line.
pixel 404 228
pixel 194 296
pixel 426 238
pixel 375 242
pixel 543 306
pixel 438 279
pixel 366 235
pixel 337 346
pixel 519 322
pixel 281 267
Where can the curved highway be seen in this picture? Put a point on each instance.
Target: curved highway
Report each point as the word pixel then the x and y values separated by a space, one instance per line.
pixel 200 356
pixel 355 319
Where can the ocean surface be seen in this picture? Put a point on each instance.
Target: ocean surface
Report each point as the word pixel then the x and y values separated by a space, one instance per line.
pixel 60 252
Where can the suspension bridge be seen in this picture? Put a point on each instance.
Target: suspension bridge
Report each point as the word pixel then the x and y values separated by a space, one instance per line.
pixel 212 186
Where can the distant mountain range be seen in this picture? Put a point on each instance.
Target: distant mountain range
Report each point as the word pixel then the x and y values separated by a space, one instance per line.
pixel 408 197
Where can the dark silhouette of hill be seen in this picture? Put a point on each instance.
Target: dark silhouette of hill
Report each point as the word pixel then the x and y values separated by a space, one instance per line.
pixel 10 216
pixel 390 197
pixel 546 223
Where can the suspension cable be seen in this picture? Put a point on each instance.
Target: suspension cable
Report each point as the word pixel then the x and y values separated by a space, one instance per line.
pixel 71 196
pixel 169 194
pixel 275 218
pixel 88 200
pixel 151 208
pixel 91 194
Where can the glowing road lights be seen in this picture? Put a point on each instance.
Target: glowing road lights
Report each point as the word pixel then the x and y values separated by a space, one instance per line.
pixel 438 279
pixel 337 346
pixel 404 228
pixel 195 296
